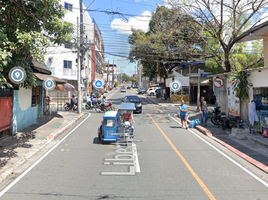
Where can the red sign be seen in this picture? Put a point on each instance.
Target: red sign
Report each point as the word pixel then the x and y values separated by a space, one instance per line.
pixel 218 82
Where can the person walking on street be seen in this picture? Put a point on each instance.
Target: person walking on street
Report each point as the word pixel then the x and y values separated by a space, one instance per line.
pixel 183 114
pixel 203 109
pixel 73 101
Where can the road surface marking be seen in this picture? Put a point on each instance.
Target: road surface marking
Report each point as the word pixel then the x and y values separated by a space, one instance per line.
pixel 200 182
pixel 233 161
pixel 153 104
pixel 40 159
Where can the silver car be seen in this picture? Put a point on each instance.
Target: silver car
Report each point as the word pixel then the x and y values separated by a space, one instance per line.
pixel 123 89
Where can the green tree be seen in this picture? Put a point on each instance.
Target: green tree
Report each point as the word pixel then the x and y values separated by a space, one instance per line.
pixel 26 29
pixel 223 22
pixel 125 77
pixel 168 42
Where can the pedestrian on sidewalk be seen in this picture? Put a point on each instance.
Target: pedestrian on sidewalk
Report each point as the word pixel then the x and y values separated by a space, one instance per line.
pixel 183 114
pixel 203 109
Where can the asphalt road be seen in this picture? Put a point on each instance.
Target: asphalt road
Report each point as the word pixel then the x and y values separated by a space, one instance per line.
pixel 166 162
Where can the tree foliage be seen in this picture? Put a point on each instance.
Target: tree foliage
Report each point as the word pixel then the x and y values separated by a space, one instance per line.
pixel 223 22
pixel 169 42
pixel 26 29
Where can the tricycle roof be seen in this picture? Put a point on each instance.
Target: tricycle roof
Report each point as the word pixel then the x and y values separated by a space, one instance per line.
pixel 110 114
pixel 127 106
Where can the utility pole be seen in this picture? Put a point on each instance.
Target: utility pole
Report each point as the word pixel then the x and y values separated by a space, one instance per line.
pixel 113 74
pixel 108 66
pixel 198 90
pixel 80 50
pixel 78 68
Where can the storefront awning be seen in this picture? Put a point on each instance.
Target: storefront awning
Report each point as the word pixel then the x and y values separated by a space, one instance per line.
pixel 43 77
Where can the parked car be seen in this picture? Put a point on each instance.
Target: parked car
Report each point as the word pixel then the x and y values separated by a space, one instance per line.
pixel 134 99
pixel 141 90
pixel 152 91
pixel 123 89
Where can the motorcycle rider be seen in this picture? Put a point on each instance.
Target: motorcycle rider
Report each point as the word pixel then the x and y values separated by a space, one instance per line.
pixel 89 100
pixel 103 101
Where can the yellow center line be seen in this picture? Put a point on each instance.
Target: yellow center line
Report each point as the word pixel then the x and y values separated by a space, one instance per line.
pixel 200 182
pixel 158 109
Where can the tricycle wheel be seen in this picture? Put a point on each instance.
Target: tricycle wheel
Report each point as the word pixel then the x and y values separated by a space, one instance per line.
pixel 100 134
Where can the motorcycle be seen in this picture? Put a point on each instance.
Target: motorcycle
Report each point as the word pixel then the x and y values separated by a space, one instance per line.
pixel 104 107
pixel 68 106
pixel 95 103
pixel 219 118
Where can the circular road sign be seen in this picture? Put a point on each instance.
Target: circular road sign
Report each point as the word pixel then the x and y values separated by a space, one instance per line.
pixel 175 85
pixel 17 75
pixel 218 82
pixel 98 84
pixel 49 84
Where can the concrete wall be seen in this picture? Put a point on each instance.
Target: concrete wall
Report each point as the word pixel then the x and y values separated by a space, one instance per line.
pixel 23 113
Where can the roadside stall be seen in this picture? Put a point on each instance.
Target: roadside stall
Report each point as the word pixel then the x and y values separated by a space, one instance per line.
pixel 259 95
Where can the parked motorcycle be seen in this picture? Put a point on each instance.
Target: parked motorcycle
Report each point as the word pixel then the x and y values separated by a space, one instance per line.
pixel 68 106
pixel 219 118
pixel 105 107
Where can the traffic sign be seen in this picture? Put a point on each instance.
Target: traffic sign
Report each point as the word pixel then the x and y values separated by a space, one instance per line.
pixel 49 84
pixel 175 85
pixel 205 75
pixel 17 75
pixel 98 84
pixel 218 82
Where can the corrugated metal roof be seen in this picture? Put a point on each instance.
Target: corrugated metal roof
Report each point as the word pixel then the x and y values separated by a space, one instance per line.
pixel 43 77
pixel 39 66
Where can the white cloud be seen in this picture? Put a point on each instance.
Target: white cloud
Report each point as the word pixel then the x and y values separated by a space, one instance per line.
pixel 136 1
pixel 138 22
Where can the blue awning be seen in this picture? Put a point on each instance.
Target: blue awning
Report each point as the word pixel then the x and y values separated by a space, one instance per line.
pixel 192 63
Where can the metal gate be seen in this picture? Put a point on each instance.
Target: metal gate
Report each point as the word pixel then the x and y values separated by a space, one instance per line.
pixel 6 102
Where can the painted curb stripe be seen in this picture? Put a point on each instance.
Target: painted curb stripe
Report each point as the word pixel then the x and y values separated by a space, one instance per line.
pixel 227 157
pixel 200 182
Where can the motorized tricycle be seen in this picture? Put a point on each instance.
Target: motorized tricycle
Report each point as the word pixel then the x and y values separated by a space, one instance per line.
pixel 117 124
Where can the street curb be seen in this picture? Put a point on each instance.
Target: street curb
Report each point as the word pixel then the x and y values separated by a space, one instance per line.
pixel 53 135
pixel 7 173
pixel 234 150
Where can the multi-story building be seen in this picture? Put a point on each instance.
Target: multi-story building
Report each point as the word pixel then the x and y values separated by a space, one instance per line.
pixel 110 74
pixel 62 59
pixel 97 56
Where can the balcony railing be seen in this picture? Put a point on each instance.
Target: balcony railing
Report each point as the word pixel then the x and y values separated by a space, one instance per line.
pixel 58 71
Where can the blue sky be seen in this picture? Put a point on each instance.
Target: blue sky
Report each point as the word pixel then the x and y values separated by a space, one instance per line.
pixel 115 31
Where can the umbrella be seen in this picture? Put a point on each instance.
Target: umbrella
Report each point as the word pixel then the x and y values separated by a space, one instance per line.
pixel 68 87
pixel 65 87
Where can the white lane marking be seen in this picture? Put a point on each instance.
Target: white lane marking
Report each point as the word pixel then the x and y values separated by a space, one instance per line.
pixel 111 94
pixel 39 160
pixel 137 164
pixel 219 151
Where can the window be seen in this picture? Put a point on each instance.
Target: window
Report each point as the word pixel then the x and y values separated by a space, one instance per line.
pixel 68 45
pixel 68 6
pixel 36 96
pixel 67 64
pixel 109 122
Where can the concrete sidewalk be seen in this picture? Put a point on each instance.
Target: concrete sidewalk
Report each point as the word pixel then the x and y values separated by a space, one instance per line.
pixel 251 147
pixel 16 150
